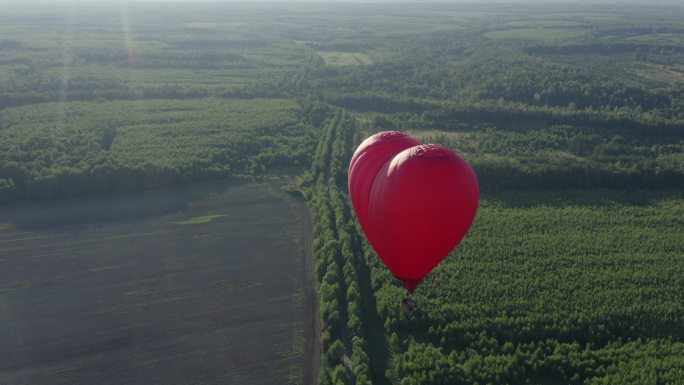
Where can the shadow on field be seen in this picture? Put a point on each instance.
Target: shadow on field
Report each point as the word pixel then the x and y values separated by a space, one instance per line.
pixel 74 212
pixel 587 197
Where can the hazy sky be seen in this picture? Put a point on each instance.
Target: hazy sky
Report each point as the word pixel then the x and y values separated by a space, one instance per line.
pixel 678 2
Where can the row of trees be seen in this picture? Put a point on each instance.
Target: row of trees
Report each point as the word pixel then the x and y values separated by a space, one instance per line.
pixel 446 115
pixel 514 146
pixel 340 266
pixel 637 362
pixel 485 74
pixel 169 66
pixel 85 89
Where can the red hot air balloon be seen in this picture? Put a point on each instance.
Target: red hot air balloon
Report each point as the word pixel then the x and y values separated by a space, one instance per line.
pixel 422 203
pixel 368 159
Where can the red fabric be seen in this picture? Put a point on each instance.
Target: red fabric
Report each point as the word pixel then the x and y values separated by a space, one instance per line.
pixel 414 202
pixel 368 158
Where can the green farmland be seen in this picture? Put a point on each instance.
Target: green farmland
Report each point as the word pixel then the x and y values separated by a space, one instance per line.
pixel 170 287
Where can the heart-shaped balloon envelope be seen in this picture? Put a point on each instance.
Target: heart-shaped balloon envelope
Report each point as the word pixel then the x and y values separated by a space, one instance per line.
pixel 368 159
pixel 421 203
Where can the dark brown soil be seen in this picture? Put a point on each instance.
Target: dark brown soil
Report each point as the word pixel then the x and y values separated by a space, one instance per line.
pixel 217 293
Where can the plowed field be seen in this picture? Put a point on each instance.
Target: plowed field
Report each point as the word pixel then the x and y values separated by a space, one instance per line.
pixel 155 288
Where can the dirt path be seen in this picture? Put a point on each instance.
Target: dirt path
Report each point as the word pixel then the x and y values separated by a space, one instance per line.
pixel 313 346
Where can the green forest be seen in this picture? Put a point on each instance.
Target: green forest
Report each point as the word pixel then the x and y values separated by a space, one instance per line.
pixel 572 117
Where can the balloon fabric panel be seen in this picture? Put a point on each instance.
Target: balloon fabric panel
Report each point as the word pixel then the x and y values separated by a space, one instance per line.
pixel 422 204
pixel 368 159
pixel 414 202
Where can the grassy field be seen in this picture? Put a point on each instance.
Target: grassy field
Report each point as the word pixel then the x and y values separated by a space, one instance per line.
pixel 175 290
